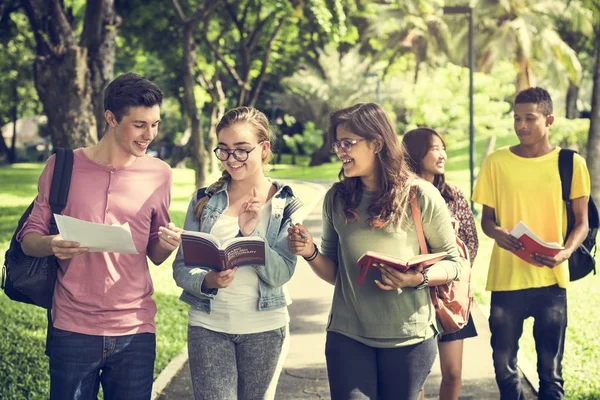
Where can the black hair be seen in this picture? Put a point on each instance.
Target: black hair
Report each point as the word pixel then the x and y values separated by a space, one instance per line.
pixel 130 90
pixel 536 95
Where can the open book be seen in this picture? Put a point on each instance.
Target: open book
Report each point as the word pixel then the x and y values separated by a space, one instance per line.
pixel 373 259
pixel 532 244
pixel 205 250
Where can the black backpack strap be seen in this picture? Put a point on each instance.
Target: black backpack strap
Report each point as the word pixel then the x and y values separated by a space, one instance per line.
pixel 59 191
pixel 565 169
pixel 200 193
pixel 61 179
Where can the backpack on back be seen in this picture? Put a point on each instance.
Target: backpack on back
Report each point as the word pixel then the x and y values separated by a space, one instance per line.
pixel 31 279
pixel 453 300
pixel 581 262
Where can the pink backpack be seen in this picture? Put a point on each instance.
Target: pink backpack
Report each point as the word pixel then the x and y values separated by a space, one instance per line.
pixel 452 300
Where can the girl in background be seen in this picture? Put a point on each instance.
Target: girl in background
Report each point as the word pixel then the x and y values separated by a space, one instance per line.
pixel 238 319
pixel 381 336
pixel 427 157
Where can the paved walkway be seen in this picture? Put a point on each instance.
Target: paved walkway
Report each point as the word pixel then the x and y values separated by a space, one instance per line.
pixel 304 375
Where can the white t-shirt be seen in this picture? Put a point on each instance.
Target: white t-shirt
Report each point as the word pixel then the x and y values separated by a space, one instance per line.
pixel 234 309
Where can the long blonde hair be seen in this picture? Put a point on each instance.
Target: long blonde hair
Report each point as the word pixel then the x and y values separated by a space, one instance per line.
pixel 241 115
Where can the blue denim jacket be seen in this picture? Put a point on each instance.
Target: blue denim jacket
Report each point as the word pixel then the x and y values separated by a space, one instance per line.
pixel 280 263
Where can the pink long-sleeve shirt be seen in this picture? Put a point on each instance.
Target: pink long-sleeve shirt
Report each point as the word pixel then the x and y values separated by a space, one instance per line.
pixel 98 293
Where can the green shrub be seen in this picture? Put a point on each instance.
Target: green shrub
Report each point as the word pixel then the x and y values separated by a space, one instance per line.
pixel 571 133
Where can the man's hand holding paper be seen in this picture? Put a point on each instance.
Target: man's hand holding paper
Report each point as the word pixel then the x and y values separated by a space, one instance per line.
pixel 96 237
pixel 65 249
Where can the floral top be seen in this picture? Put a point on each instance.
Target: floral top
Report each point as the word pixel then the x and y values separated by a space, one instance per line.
pixel 461 211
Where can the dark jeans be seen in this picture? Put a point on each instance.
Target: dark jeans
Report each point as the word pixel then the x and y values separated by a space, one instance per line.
pixel 548 307
pixel 79 363
pixel 357 371
pixel 233 367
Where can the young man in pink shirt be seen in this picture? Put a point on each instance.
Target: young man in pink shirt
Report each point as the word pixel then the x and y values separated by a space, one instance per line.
pixel 103 311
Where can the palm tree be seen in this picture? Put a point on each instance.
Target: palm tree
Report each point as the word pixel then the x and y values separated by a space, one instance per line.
pixel 525 32
pixel 411 26
pixel 315 91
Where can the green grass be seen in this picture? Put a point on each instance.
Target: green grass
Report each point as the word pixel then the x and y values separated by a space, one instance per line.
pixel 582 350
pixel 23 367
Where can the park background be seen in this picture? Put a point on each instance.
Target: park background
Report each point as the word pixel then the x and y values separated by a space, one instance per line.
pixel 297 61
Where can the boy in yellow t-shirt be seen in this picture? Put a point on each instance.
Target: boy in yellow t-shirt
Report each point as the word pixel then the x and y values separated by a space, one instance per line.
pixel 522 183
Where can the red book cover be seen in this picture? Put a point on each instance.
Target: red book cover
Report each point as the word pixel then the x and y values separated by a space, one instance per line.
pixel 371 259
pixel 532 244
pixel 204 250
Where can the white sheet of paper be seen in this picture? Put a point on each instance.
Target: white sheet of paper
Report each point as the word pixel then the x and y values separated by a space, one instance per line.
pixel 96 237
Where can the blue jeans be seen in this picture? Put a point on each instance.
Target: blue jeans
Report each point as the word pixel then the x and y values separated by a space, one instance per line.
pixel 233 367
pixel 360 372
pixel 79 363
pixel 548 307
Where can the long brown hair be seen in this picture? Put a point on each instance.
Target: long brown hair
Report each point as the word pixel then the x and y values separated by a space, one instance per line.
pixel 240 115
pixel 417 143
pixel 369 121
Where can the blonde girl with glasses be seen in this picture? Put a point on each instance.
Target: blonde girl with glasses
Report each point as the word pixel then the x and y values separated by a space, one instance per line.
pixel 381 336
pixel 238 318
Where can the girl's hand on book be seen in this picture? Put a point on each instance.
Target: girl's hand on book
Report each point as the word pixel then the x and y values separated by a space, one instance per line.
pixel 249 215
pixel 218 280
pixel 300 241
pixel 392 279
pixel 506 241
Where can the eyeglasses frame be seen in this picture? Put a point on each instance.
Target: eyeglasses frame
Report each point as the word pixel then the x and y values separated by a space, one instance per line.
pixel 232 152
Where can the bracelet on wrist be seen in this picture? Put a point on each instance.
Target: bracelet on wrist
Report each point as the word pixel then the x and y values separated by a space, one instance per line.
pixel 313 255
pixel 425 281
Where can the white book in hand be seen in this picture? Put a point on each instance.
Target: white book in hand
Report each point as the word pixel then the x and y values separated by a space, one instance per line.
pixel 205 250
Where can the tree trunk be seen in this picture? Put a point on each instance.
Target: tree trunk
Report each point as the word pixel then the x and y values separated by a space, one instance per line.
pixel 218 110
pixel 571 102
pixel 3 148
pixel 12 154
pixel 198 153
pixel 99 36
pixel 593 147
pixel 61 75
pixel 323 155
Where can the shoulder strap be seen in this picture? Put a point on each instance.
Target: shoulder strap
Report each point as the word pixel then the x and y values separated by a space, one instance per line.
pixel 61 179
pixel 416 214
pixel 565 169
pixel 200 193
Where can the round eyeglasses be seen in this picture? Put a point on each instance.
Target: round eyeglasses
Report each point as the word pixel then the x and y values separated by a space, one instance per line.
pixel 345 145
pixel 240 155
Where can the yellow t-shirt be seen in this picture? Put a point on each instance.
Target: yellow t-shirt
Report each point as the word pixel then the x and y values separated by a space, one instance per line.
pixel 528 190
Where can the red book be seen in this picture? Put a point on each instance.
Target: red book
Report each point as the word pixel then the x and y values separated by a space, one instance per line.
pixel 532 244
pixel 205 250
pixel 372 259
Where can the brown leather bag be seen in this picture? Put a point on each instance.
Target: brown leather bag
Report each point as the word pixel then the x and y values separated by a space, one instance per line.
pixel 452 300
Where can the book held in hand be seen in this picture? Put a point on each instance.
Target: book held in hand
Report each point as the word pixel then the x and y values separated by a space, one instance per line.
pixel 205 250
pixel 372 259
pixel 532 244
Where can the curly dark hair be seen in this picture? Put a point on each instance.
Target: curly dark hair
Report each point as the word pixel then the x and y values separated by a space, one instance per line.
pixel 369 121
pixel 417 143
pixel 536 95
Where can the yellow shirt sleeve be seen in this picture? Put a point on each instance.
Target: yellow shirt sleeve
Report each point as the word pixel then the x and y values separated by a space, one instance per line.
pixel 484 191
pixel 580 185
